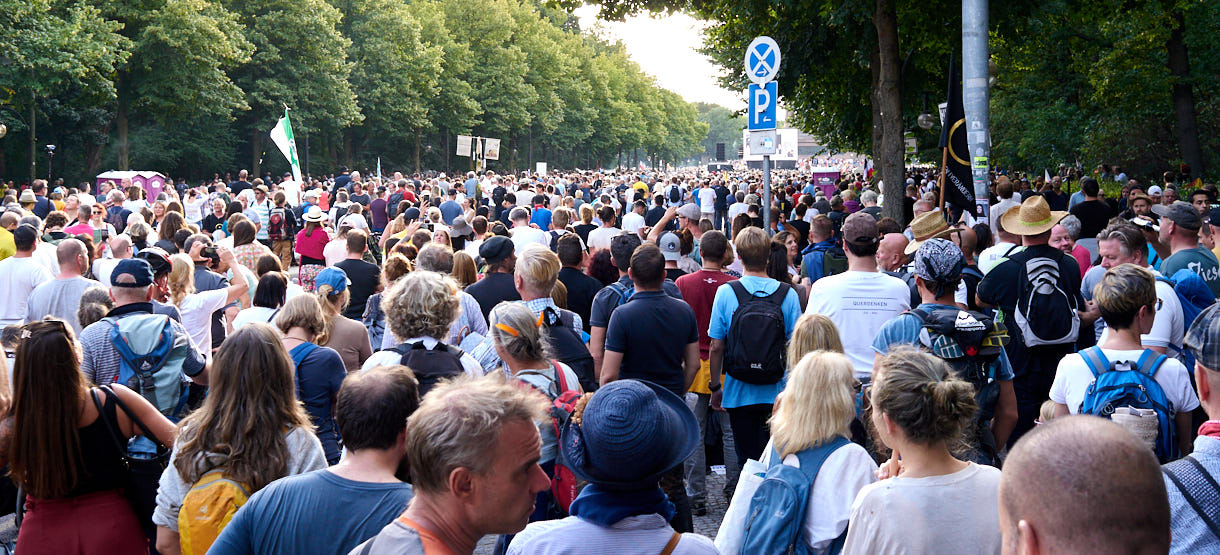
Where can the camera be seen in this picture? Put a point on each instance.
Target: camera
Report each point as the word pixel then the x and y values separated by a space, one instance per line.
pixel 210 252
pixel 1143 222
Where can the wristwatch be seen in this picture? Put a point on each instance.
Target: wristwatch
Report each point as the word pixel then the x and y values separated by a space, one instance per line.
pixel 713 387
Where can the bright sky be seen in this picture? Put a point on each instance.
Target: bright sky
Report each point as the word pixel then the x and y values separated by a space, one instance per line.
pixel 666 48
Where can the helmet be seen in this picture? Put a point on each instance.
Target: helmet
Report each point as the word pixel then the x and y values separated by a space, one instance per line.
pixel 157 258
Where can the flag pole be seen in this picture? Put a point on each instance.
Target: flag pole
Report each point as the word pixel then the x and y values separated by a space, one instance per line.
pixel 944 164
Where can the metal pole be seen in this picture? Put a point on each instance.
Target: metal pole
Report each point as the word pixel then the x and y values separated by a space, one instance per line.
pixel 33 139
pixel 766 198
pixel 975 98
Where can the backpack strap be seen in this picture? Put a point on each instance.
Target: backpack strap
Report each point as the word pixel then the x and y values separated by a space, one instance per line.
pixel 563 381
pixel 740 292
pixel 672 544
pixel 1096 361
pixel 779 295
pixel 300 352
pixel 1149 362
pixel 1198 487
pixel 813 459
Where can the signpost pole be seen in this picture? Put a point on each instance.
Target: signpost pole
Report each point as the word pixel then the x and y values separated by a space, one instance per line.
pixel 766 196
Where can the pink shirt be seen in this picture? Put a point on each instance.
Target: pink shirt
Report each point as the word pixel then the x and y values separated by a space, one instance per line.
pixel 312 245
pixel 1083 258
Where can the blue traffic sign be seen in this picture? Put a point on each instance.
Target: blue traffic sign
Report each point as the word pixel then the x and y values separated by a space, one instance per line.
pixel 762 111
pixel 762 60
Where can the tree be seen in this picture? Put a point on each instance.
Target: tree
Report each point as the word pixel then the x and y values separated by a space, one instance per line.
pixel 724 126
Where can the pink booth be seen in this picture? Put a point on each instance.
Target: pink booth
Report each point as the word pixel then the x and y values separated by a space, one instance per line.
pixel 824 178
pixel 151 182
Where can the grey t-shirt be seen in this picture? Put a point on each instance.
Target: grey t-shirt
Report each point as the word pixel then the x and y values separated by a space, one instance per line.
pixel 1198 260
pixel 59 298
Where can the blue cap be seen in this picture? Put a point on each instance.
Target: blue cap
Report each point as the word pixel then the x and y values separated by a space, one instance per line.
pixel 131 272
pixel 336 278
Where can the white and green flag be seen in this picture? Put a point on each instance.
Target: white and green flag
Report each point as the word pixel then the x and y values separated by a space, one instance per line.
pixel 282 136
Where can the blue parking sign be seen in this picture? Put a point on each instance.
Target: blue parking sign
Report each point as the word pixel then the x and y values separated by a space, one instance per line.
pixel 762 111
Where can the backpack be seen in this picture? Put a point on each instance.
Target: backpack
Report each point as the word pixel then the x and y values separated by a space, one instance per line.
pixel 970 342
pixel 674 194
pixel 1045 313
pixel 431 365
pixel 624 292
pixel 824 260
pixel 776 519
pixel 564 484
pixel 151 359
pixel 276 226
pixel 1194 296
pixel 207 508
pixel 569 348
pixel 754 351
pixel 1122 384
pixel 1198 488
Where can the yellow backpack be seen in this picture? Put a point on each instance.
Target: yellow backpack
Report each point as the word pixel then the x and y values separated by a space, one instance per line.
pixel 207 509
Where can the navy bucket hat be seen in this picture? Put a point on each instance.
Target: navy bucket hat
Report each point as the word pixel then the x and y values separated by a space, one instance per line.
pixel 630 433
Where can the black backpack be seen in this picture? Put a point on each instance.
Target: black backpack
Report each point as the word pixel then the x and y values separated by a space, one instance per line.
pixel 675 194
pixel 970 342
pixel 568 346
pixel 431 365
pixel 754 352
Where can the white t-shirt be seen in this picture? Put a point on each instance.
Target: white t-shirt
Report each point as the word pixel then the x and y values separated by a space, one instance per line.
pixel 45 254
pixel 859 303
pixel 600 238
pixel 102 269
pixel 995 254
pixel 632 222
pixel 953 513
pixel 1168 329
pixel 846 471
pixel 735 209
pixel 196 310
pixel 524 236
pixel 254 314
pixel 1073 377
pixel 18 278
pixel 335 251
pixel 707 200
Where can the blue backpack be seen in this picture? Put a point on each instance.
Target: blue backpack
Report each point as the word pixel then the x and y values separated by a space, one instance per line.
pixel 624 292
pixel 150 360
pixel 1194 296
pixel 776 521
pixel 1124 384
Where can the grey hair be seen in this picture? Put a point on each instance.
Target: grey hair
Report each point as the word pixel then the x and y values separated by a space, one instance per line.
pixel 529 344
pixel 435 257
pixel 31 220
pixel 868 197
pixel 519 213
pixel 1072 225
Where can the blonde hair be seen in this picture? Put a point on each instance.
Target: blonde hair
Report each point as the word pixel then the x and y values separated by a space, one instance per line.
pixel 332 307
pixel 922 395
pixel 813 332
pixel 538 267
pixel 301 311
pixel 586 213
pixel 1046 412
pixel 458 425
pixel 181 277
pixel 421 304
pixel 818 404
pixel 1122 291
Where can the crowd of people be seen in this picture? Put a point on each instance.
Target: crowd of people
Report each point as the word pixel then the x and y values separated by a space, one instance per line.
pixel 408 365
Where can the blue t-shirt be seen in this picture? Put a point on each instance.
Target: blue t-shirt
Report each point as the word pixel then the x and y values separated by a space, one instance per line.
pixel 472 187
pixel 319 376
pixel 450 210
pixel 316 512
pixel 738 393
pixel 652 331
pixel 541 218
pixel 904 330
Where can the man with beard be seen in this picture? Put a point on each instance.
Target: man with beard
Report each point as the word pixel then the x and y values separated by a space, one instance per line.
pixel 334 509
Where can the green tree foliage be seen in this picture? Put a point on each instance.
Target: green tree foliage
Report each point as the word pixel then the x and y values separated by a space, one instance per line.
pixel 724 126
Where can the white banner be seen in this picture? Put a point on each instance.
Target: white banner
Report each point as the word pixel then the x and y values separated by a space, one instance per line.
pixel 541 168
pixel 463 145
pixel 491 149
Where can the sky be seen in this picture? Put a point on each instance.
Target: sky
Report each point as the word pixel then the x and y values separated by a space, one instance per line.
pixel 666 48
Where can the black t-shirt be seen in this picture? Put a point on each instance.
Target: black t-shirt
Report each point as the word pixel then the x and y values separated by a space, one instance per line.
pixel 581 290
pixel 492 290
pixel 211 223
pixel 652 331
pixel 673 273
pixel 583 231
pixel 722 197
pixel 1093 215
pixel 801 229
pixel 239 186
pixel 363 200
pixel 365 279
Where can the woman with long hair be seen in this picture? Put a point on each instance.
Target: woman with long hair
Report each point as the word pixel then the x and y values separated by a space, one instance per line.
pixel 196 307
pixel 813 332
pixel 310 245
pixel 464 270
pixel 251 427
pixel 319 370
pixel 921 410
pixel 158 214
pixel 602 268
pixel 66 455
pixel 813 417
pixel 341 333
pixel 779 266
pixel 245 248
pixel 170 224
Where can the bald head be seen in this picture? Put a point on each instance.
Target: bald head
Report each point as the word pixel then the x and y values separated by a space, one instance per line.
pixel 120 246
pixel 966 240
pixel 71 255
pixel 1083 484
pixel 890 255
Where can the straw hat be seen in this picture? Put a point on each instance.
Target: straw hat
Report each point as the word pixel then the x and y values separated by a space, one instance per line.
pixel 925 227
pixel 1034 217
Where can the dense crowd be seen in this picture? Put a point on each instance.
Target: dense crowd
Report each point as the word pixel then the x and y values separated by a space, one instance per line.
pixel 409 364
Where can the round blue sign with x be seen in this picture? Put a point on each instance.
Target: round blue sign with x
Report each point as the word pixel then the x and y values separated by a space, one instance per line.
pixel 762 60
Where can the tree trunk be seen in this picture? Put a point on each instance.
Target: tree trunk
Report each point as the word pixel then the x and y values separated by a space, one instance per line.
pixel 256 151
pixel 889 95
pixel 876 104
pixel 417 132
pixel 33 138
pixel 123 148
pixel 1184 98
pixel 93 159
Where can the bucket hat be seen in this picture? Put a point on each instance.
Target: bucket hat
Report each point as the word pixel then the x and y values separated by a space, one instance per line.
pixel 629 434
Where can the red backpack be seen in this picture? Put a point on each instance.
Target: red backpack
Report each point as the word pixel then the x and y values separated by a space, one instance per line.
pixel 564 484
pixel 275 228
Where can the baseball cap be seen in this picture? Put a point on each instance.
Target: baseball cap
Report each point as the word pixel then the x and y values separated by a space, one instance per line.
pixel 25 234
pixel 1181 213
pixel 495 249
pixel 860 228
pixel 1154 190
pixel 689 211
pixel 131 272
pixel 671 245
pixel 336 278
pixel 1203 338
pixel 1213 217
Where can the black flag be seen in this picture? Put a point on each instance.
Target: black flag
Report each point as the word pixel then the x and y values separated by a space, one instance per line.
pixel 959 184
